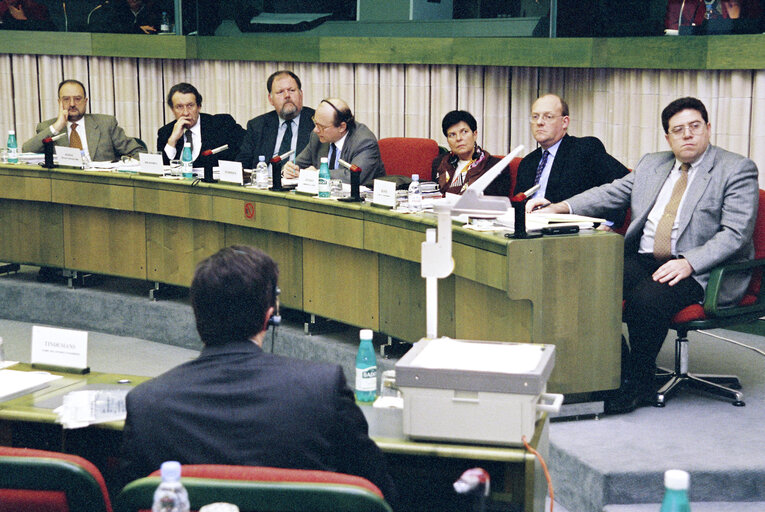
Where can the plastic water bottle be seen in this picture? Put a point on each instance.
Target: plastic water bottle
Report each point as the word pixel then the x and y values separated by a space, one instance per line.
pixel 324 178
pixel 366 368
pixel 414 196
pixel 86 163
pixel 261 173
pixel 676 483
pixel 164 27
pixel 187 165
pixel 171 496
pixel 13 148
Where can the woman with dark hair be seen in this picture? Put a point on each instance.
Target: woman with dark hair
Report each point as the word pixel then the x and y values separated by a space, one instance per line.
pixel 467 161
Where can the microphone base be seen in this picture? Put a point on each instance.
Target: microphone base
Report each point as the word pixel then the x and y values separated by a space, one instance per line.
pixel 525 235
pixel 351 199
pixel 211 180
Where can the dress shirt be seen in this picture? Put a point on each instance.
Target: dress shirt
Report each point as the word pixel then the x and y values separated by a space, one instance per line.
pixel 339 145
pixel 280 135
pixel 649 230
pixel 196 142
pixel 545 177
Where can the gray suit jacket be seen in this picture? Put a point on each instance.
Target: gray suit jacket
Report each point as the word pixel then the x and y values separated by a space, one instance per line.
pixel 106 139
pixel 360 148
pixel 717 219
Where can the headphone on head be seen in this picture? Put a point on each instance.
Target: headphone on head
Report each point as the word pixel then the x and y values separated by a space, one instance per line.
pixel 276 318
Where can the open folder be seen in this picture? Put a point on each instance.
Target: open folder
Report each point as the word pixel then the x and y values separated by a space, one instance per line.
pixel 14 383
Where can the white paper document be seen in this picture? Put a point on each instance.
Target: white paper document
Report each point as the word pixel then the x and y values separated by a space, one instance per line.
pixel 83 408
pixel 14 383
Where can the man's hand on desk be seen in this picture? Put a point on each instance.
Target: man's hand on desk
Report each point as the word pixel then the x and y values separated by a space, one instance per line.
pixel 542 205
pixel 290 170
pixel 673 271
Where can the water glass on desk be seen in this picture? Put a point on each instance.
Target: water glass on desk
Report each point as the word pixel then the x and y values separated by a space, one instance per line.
pixel 336 189
pixel 175 168
pixel 3 155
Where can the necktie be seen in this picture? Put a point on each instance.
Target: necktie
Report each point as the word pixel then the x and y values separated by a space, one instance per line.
pixel 190 140
pixel 541 166
pixel 286 144
pixel 662 239
pixel 332 156
pixel 74 138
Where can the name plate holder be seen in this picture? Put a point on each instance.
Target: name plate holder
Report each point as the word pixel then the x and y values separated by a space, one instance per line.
pixel 70 157
pixel 230 172
pixel 384 194
pixel 308 182
pixel 61 350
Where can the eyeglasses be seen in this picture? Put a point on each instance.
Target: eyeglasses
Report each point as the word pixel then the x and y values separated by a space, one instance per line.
pixel 462 133
pixel 695 128
pixel 318 126
pixel 76 99
pixel 546 117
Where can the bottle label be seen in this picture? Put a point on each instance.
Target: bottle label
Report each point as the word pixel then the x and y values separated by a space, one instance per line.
pixel 366 379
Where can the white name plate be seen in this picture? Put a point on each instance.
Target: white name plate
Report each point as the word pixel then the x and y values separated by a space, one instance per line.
pixel 230 172
pixel 69 156
pixel 308 182
pixel 384 193
pixel 151 163
pixel 59 347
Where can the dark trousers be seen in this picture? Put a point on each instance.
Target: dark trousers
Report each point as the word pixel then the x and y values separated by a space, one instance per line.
pixel 648 309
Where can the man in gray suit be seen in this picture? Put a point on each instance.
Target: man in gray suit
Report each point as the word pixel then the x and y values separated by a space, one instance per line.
pixel 98 134
pixel 337 135
pixel 693 209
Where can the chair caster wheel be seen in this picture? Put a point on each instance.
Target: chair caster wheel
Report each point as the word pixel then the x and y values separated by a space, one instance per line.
pixel 659 404
pixel 739 403
pixel 735 386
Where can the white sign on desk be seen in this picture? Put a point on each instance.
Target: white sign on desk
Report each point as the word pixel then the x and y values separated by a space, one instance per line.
pixel 151 163
pixel 59 347
pixel 71 157
pixel 230 172
pixel 384 193
pixel 308 182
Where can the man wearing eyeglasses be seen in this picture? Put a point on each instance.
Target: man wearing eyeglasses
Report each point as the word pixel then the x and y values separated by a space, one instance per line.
pixel 98 135
pixel 693 208
pixel 202 131
pixel 287 127
pixel 563 165
pixel 337 136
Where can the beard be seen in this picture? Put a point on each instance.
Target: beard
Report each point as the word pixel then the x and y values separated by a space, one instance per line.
pixel 74 116
pixel 289 111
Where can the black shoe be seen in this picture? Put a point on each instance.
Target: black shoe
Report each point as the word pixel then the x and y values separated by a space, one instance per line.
pixel 627 399
pixel 49 275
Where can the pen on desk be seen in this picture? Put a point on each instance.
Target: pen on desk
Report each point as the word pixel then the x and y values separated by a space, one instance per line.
pixel 540 206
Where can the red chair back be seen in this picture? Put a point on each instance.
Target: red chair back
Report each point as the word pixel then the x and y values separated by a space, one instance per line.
pixel 404 156
pixel 42 499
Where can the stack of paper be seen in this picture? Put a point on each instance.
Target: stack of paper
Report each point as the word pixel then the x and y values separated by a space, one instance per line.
pixel 14 383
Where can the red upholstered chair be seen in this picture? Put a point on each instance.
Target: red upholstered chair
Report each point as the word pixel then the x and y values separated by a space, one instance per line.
pixel 255 489
pixel 404 156
pixel 710 316
pixel 42 481
pixel 514 163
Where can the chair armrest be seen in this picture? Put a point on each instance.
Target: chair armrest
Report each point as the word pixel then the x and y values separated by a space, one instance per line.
pixel 712 296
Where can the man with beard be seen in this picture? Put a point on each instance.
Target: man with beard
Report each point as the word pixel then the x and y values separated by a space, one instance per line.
pixel 98 135
pixel 287 127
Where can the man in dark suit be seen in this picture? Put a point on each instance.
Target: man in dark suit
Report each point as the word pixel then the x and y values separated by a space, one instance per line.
pixel 693 208
pixel 204 131
pixel 287 127
pixel 571 164
pixel 337 136
pixel 98 134
pixel 236 404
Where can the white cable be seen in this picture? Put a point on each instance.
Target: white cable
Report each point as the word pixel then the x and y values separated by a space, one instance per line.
pixel 761 352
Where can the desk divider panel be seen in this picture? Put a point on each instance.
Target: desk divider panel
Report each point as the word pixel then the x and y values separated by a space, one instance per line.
pixel 105 241
pixel 31 232
pixel 25 184
pixel 83 188
pixel 252 209
pixel 176 199
pixel 341 283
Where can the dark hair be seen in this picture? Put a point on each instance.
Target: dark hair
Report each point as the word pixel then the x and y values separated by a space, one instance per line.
pixel 343 114
pixel 681 104
pixel 275 74
pixel 456 116
pixel 183 88
pixel 231 293
pixel 71 81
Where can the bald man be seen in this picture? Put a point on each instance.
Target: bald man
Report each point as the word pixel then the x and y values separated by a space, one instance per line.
pixel 337 135
pixel 571 165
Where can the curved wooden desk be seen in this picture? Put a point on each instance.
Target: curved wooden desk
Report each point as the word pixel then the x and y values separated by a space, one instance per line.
pixel 354 263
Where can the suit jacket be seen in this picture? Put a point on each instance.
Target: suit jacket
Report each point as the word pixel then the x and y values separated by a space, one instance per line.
pixel 360 148
pixel 261 136
pixel 107 141
pixel 217 130
pixel 717 219
pixel 236 404
pixel 580 164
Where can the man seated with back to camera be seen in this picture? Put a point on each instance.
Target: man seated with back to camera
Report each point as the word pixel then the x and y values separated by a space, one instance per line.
pixel 237 404
pixel 337 135
pixel 467 161
pixel 693 209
